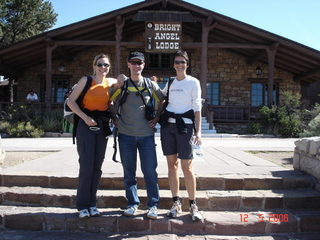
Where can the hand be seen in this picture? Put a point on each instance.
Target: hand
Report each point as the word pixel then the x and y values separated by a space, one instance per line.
pixel 115 121
pixel 197 139
pixel 153 123
pixel 90 121
pixel 154 78
pixel 121 78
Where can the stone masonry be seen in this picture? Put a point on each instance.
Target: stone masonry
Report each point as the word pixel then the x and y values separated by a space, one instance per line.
pixel 307 157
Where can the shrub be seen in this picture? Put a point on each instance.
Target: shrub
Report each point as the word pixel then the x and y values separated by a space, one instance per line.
pixel 23 121
pixel 313 128
pixel 52 122
pixel 254 128
pixel 24 129
pixel 286 120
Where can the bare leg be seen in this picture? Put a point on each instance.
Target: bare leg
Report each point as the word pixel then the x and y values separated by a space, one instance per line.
pixel 173 174
pixel 189 177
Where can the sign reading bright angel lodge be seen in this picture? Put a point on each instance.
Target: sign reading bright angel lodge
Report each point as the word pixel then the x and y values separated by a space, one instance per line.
pixel 163 36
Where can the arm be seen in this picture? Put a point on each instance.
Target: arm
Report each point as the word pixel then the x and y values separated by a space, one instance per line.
pixel 197 133
pixel 75 107
pixel 112 110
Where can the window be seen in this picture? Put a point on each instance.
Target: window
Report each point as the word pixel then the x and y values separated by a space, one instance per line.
pixel 259 94
pixel 213 93
pixel 159 61
pixel 60 85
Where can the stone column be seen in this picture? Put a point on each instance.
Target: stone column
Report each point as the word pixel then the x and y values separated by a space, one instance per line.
pixel 307 157
pixel 2 153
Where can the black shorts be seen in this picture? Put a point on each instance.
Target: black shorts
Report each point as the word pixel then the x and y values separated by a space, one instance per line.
pixel 175 143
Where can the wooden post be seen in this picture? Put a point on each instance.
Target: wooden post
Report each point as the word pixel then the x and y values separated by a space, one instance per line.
pixel 271 58
pixel 49 76
pixel 206 27
pixel 119 25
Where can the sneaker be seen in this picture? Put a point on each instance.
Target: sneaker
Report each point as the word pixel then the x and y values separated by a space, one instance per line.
pixel 94 212
pixel 153 212
pixel 84 213
pixel 194 212
pixel 175 209
pixel 130 211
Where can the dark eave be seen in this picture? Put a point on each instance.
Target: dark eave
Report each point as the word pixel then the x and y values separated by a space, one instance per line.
pixel 301 61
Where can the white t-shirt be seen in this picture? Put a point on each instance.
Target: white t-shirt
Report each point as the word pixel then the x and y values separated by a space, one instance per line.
pixel 32 98
pixel 183 96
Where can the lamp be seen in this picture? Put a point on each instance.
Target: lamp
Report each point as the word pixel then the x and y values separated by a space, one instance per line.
pixel 61 67
pixel 258 70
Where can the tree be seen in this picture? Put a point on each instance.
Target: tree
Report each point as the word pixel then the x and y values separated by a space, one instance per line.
pixel 21 19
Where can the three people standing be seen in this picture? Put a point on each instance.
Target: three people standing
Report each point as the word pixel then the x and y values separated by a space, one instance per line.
pixel 180 126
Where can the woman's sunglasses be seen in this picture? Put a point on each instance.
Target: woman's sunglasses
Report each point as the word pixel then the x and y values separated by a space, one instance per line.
pixel 178 62
pixel 103 64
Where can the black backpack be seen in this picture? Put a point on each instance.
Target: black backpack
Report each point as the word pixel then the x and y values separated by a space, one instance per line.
pixel 67 112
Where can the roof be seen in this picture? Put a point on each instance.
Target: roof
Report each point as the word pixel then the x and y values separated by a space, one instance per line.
pixel 302 61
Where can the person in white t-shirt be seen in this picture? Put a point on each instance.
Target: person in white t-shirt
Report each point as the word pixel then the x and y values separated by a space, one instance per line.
pixel 32 97
pixel 180 127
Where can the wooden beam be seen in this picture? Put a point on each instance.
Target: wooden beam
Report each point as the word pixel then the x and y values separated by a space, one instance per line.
pixel 306 75
pixel 164 4
pixel 271 59
pixel 225 45
pixel 10 70
pixel 119 27
pixel 262 53
pixel 62 52
pixel 49 51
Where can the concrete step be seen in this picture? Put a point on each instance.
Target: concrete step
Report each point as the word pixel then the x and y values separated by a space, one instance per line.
pixel 112 221
pixel 206 199
pixel 287 180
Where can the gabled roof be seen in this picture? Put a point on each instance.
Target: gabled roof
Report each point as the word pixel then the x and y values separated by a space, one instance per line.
pixel 302 61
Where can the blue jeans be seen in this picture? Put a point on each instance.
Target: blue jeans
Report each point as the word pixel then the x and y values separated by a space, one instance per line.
pixel 147 151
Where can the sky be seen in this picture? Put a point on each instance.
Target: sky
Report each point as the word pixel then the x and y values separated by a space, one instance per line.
pixel 297 20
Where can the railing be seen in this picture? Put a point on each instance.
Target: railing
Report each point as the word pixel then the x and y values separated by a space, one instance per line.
pixel 231 114
pixel 40 107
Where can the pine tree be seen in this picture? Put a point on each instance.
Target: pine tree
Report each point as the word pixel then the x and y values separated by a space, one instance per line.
pixel 21 19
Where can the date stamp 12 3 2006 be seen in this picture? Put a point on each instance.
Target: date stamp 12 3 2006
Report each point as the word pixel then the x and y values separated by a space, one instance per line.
pixel 268 218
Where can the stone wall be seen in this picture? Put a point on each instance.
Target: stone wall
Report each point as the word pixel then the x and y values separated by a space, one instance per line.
pixel 307 157
pixel 2 154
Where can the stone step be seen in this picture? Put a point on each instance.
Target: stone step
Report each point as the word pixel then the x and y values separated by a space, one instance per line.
pixel 206 199
pixel 291 180
pixel 112 221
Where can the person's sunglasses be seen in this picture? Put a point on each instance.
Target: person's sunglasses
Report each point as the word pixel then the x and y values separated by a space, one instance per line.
pixel 178 62
pixel 136 62
pixel 103 64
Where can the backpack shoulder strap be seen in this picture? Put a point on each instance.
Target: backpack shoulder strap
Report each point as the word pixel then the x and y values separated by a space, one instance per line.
pixel 148 84
pixel 171 79
pixel 84 90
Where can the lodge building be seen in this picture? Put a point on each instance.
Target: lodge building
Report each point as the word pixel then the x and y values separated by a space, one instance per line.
pixel 240 67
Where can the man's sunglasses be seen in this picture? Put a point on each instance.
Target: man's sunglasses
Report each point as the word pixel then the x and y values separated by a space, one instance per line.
pixel 178 62
pixel 136 62
pixel 103 64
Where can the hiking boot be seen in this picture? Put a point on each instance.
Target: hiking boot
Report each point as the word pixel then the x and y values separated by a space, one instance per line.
pixel 153 212
pixel 94 212
pixel 130 211
pixel 84 213
pixel 175 209
pixel 194 212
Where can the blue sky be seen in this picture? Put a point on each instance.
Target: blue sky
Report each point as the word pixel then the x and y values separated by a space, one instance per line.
pixel 297 20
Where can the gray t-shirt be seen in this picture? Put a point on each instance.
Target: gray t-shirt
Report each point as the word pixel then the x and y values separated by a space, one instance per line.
pixel 132 119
